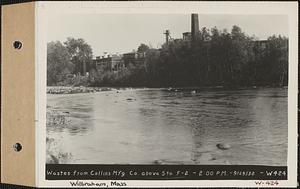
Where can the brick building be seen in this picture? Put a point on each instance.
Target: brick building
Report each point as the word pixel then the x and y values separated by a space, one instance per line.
pixel 110 63
pixel 134 58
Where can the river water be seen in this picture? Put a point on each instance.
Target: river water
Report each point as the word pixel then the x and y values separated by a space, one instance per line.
pixel 148 126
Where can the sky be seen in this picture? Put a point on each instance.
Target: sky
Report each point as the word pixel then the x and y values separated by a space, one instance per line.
pixel 121 33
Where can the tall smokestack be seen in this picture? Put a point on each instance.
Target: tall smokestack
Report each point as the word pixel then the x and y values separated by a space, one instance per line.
pixel 194 26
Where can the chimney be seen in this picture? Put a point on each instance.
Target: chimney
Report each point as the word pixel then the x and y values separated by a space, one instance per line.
pixel 195 27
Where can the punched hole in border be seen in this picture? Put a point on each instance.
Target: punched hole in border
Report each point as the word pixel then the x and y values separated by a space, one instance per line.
pixel 17 45
pixel 17 147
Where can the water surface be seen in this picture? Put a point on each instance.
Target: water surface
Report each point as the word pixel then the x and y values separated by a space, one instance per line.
pixel 146 126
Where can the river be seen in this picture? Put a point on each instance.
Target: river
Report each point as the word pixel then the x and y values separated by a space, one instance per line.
pixel 148 126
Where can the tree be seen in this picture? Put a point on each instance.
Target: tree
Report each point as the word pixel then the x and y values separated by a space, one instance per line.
pixel 152 64
pixel 81 54
pixel 277 60
pixel 143 48
pixel 239 54
pixel 216 58
pixel 236 33
pixel 216 55
pixel 58 62
pixel 205 35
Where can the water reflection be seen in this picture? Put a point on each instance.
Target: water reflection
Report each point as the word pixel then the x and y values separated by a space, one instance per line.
pixel 182 127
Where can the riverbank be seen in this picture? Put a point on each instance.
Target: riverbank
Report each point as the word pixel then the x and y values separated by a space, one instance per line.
pixel 82 89
pixel 60 120
pixel 73 90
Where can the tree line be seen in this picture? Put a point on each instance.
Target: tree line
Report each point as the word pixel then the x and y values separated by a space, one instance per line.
pixel 216 58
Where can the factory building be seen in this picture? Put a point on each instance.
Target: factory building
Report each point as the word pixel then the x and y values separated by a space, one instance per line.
pixel 187 36
pixel 194 34
pixel 116 62
pixel 109 63
pixel 134 58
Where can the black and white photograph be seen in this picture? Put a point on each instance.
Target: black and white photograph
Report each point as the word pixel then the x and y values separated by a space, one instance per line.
pixel 155 94
pixel 167 89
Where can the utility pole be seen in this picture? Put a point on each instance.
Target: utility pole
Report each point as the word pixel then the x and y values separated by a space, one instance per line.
pixel 167 33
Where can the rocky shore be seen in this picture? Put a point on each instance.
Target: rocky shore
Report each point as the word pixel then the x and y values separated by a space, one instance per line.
pixel 74 90
pixel 55 154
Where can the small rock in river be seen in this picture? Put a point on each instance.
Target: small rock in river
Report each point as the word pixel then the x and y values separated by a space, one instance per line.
pixel 223 146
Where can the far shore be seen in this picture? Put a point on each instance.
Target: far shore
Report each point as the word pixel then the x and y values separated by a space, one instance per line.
pixel 83 89
pixel 73 90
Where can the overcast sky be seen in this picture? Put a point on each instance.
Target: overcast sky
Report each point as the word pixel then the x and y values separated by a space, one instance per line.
pixel 124 32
